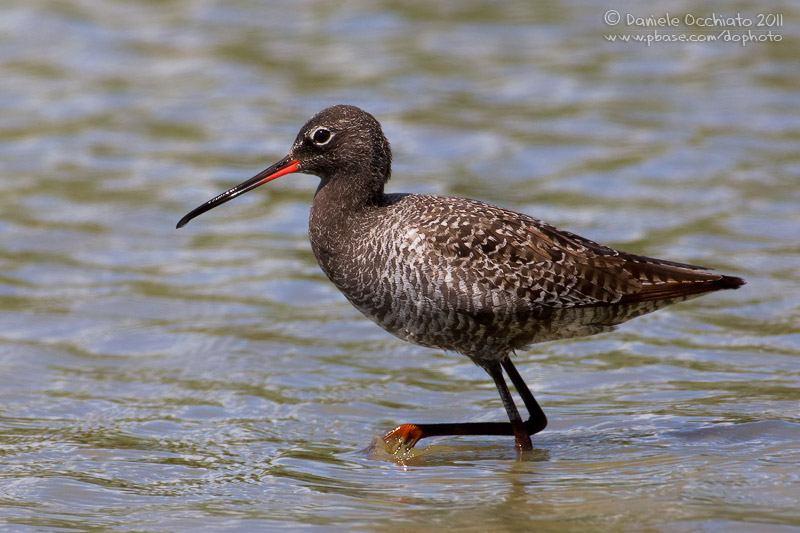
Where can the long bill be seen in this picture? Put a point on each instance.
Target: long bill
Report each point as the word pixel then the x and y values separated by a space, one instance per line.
pixel 285 166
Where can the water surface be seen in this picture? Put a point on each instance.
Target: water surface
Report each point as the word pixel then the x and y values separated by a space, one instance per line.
pixel 155 379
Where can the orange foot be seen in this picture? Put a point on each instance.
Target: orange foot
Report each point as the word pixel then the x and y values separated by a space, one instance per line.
pixel 406 435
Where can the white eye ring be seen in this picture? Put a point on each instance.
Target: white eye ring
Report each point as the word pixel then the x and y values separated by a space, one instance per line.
pixel 325 136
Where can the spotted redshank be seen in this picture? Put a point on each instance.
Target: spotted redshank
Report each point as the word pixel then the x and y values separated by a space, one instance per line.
pixel 459 274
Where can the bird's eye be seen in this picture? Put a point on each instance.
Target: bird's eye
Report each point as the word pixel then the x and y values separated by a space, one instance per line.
pixel 321 136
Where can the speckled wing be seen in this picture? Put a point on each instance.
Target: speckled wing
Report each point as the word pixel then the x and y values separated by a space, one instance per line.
pixel 495 257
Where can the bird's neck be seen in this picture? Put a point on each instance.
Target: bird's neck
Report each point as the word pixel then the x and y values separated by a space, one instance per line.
pixel 346 196
pixel 338 221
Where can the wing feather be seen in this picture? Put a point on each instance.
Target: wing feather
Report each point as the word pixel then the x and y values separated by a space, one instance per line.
pixel 499 256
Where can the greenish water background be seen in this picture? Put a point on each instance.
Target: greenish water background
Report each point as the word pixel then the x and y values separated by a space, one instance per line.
pixel 154 379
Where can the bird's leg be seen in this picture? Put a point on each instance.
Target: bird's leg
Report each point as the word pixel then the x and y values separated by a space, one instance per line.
pixel 407 435
pixel 537 420
pixel 521 437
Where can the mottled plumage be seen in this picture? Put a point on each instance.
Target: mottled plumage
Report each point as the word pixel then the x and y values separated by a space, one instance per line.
pixel 463 275
pixel 460 274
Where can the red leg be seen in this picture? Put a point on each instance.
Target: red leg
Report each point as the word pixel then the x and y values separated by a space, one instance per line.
pixel 409 434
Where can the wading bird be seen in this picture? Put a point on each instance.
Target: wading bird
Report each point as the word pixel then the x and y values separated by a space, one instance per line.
pixel 459 274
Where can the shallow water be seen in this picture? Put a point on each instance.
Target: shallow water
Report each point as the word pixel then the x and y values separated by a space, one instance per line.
pixel 156 379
